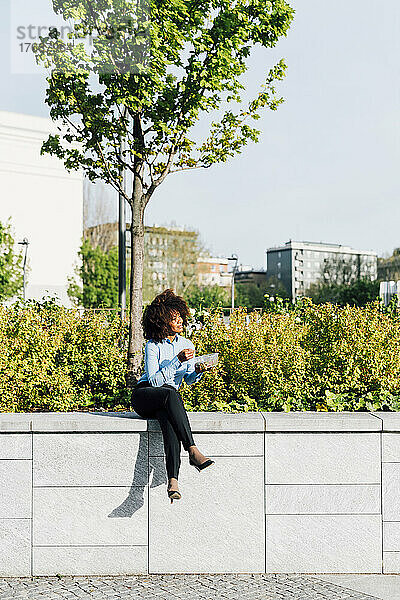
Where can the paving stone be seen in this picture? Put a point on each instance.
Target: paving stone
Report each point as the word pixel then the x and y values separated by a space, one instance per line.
pixel 177 587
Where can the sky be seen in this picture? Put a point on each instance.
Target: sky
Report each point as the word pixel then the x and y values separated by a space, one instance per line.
pixel 326 168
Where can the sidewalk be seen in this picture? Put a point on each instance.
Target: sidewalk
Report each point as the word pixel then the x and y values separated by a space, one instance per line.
pixel 204 587
pixel 384 587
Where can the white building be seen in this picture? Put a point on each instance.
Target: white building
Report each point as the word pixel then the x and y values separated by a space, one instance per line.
pixel 44 201
pixel 298 264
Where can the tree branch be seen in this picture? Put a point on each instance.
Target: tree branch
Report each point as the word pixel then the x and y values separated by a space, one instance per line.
pixel 190 168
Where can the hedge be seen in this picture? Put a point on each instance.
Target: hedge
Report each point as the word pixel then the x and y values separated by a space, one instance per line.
pixel 56 359
pixel 315 357
pixel 310 357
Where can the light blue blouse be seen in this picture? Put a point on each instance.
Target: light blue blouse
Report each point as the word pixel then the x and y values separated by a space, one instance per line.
pixel 162 365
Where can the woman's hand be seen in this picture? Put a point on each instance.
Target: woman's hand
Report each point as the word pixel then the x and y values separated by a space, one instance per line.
pixel 186 354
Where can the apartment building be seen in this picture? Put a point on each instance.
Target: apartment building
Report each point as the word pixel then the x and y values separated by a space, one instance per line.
pixel 297 264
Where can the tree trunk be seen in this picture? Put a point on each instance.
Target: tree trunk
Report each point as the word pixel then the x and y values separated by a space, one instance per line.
pixel 135 348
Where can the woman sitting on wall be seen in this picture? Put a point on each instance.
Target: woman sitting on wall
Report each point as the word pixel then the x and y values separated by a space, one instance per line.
pixel 168 359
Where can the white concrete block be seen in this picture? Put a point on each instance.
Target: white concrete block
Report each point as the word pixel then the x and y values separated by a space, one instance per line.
pixel 391 536
pixel 217 526
pixel 323 543
pixel 90 459
pixel 391 491
pixel 20 422
pixel 15 547
pixel 90 560
pixel 391 562
pixel 16 445
pixel 219 421
pixel 322 499
pixel 321 421
pixel 322 458
pixel 87 421
pixel 390 420
pixel 85 516
pixel 391 447
pixel 217 444
pixel 15 489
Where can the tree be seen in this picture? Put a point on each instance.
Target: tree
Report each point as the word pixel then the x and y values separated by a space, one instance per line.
pixel 249 295
pixel 356 293
pixel 98 273
pixel 176 250
pixel 389 267
pixel 209 296
pixel 340 269
pixel 145 98
pixel 341 282
pixel 275 287
pixel 170 259
pixel 11 269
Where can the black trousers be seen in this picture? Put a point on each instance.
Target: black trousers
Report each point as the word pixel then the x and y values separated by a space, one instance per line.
pixel 165 404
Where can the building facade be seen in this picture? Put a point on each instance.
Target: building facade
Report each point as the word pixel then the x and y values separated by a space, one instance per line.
pixel 43 202
pixel 170 259
pixel 213 271
pixel 170 255
pixel 259 278
pixel 297 265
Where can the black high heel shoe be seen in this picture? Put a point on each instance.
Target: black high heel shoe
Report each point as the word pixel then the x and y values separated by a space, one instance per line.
pixel 203 465
pixel 174 495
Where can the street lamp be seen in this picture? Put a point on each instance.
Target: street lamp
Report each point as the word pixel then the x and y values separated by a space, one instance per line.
pixel 26 244
pixel 122 243
pixel 235 258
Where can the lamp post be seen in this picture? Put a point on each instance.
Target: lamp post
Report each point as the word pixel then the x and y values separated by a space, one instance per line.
pixel 235 258
pixel 122 246
pixel 26 244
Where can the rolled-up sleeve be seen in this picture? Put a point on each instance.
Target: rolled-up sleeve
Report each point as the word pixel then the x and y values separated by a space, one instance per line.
pixel 154 374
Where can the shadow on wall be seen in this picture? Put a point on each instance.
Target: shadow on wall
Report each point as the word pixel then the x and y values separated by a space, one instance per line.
pixel 156 471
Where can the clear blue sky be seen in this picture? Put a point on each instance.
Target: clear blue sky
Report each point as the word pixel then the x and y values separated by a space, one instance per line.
pixel 327 164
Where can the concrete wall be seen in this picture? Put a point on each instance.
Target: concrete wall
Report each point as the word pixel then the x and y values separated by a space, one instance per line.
pixel 85 494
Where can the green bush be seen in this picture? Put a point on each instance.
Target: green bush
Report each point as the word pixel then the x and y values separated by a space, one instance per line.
pixel 302 357
pixel 310 357
pixel 56 359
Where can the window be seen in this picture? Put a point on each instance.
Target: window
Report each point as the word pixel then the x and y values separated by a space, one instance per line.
pixel 279 254
pixel 279 275
pixel 279 265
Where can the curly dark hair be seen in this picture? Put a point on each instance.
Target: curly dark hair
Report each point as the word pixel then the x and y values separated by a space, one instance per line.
pixel 158 314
